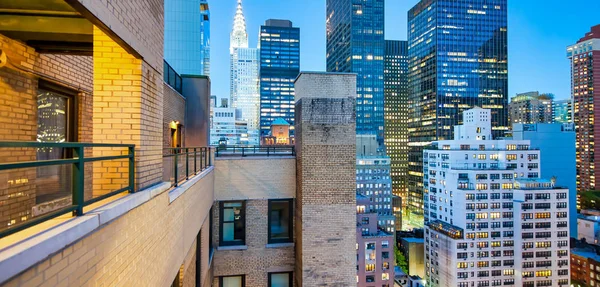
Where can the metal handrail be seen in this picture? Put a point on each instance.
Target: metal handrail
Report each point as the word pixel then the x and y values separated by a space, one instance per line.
pixel 199 165
pixel 255 151
pixel 78 161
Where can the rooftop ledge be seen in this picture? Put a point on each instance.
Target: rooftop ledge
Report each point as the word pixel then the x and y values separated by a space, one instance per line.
pixel 19 256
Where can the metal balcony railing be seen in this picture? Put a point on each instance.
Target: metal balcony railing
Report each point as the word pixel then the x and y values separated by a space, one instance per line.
pixel 255 151
pixel 182 163
pixel 40 181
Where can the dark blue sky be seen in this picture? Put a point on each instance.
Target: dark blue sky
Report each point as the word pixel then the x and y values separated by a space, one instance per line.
pixel 539 32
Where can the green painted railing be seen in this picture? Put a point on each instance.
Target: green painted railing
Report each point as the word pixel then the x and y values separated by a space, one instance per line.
pixel 244 151
pixel 77 159
pixel 184 162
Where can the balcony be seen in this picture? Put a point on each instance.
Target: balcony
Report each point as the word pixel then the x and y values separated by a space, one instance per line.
pixel 243 151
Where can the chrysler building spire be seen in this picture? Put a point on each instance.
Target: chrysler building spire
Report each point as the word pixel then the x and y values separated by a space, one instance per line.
pixel 239 37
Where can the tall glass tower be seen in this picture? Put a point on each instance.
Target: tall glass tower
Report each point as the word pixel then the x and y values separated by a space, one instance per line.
pixel 279 44
pixel 458 60
pixel 395 77
pixel 356 44
pixel 187 36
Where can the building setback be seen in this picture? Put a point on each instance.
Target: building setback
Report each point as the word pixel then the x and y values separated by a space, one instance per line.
pixel 395 77
pixel 585 83
pixel 457 60
pixel 492 220
pixel 356 44
pixel 279 44
pixel 531 108
pixel 187 36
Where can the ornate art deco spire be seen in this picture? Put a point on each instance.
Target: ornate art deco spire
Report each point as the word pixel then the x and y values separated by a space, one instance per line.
pixel 239 37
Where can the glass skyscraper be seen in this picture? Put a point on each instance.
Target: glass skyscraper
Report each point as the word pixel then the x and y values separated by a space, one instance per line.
pixel 279 44
pixel 458 59
pixel 187 36
pixel 395 77
pixel 355 44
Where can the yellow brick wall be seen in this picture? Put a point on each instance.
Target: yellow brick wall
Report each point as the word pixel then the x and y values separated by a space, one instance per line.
pixel 144 247
pixel 255 178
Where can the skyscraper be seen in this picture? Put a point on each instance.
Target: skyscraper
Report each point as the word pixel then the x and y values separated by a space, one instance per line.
pixel 493 221
pixel 279 44
pixel 562 111
pixel 187 36
pixel 531 108
pixel 395 77
pixel 244 75
pixel 355 44
pixel 585 84
pixel 457 60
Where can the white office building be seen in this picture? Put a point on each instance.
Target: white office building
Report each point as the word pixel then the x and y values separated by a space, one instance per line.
pixel 227 126
pixel 244 84
pixel 491 220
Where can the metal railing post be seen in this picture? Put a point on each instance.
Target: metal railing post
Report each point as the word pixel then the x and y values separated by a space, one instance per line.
pixel 210 159
pixel 131 169
pixel 78 181
pixel 175 166
pixel 243 149
pixel 187 163
pixel 195 165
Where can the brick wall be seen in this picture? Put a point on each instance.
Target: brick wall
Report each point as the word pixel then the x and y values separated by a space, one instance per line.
pixel 173 110
pixel 18 122
pixel 258 260
pixel 144 247
pixel 325 180
pixel 189 268
pixel 255 178
pixel 139 23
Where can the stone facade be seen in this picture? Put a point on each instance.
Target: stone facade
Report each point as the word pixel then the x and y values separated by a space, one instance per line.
pixel 325 179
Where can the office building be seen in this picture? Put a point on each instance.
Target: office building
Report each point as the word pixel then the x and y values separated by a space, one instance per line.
pixel 556 143
pixel 187 36
pixel 356 44
pixel 244 75
pixel 395 75
pixel 588 228
pixel 375 220
pixel 531 108
pixel 491 219
pixel 562 111
pixel 585 84
pixel 228 127
pixel 458 60
pixel 279 44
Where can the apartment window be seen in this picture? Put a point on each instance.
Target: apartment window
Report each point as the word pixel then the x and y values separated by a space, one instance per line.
pixel 232 281
pixel 233 223
pixel 281 279
pixel 280 220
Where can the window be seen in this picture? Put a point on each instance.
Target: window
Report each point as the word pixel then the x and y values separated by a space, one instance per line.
pixel 280 279
pixel 232 281
pixel 233 223
pixel 280 220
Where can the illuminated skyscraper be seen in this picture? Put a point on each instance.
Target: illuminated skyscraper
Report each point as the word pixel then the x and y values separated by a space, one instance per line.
pixel 562 111
pixel 395 77
pixel 355 44
pixel 187 36
pixel 244 75
pixel 458 60
pixel 585 77
pixel 531 108
pixel 279 66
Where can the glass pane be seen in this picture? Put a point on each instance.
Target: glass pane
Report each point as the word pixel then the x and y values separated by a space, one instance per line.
pixel 228 214
pixel 280 211
pixel 232 204
pixel 52 123
pixel 235 281
pixel 228 232
pixel 280 280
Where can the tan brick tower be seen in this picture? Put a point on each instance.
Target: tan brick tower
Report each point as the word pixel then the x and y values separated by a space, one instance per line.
pixel 326 180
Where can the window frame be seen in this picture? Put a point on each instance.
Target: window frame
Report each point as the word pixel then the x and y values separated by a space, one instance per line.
pixel 243 214
pixel 241 275
pixel 290 222
pixel 290 273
